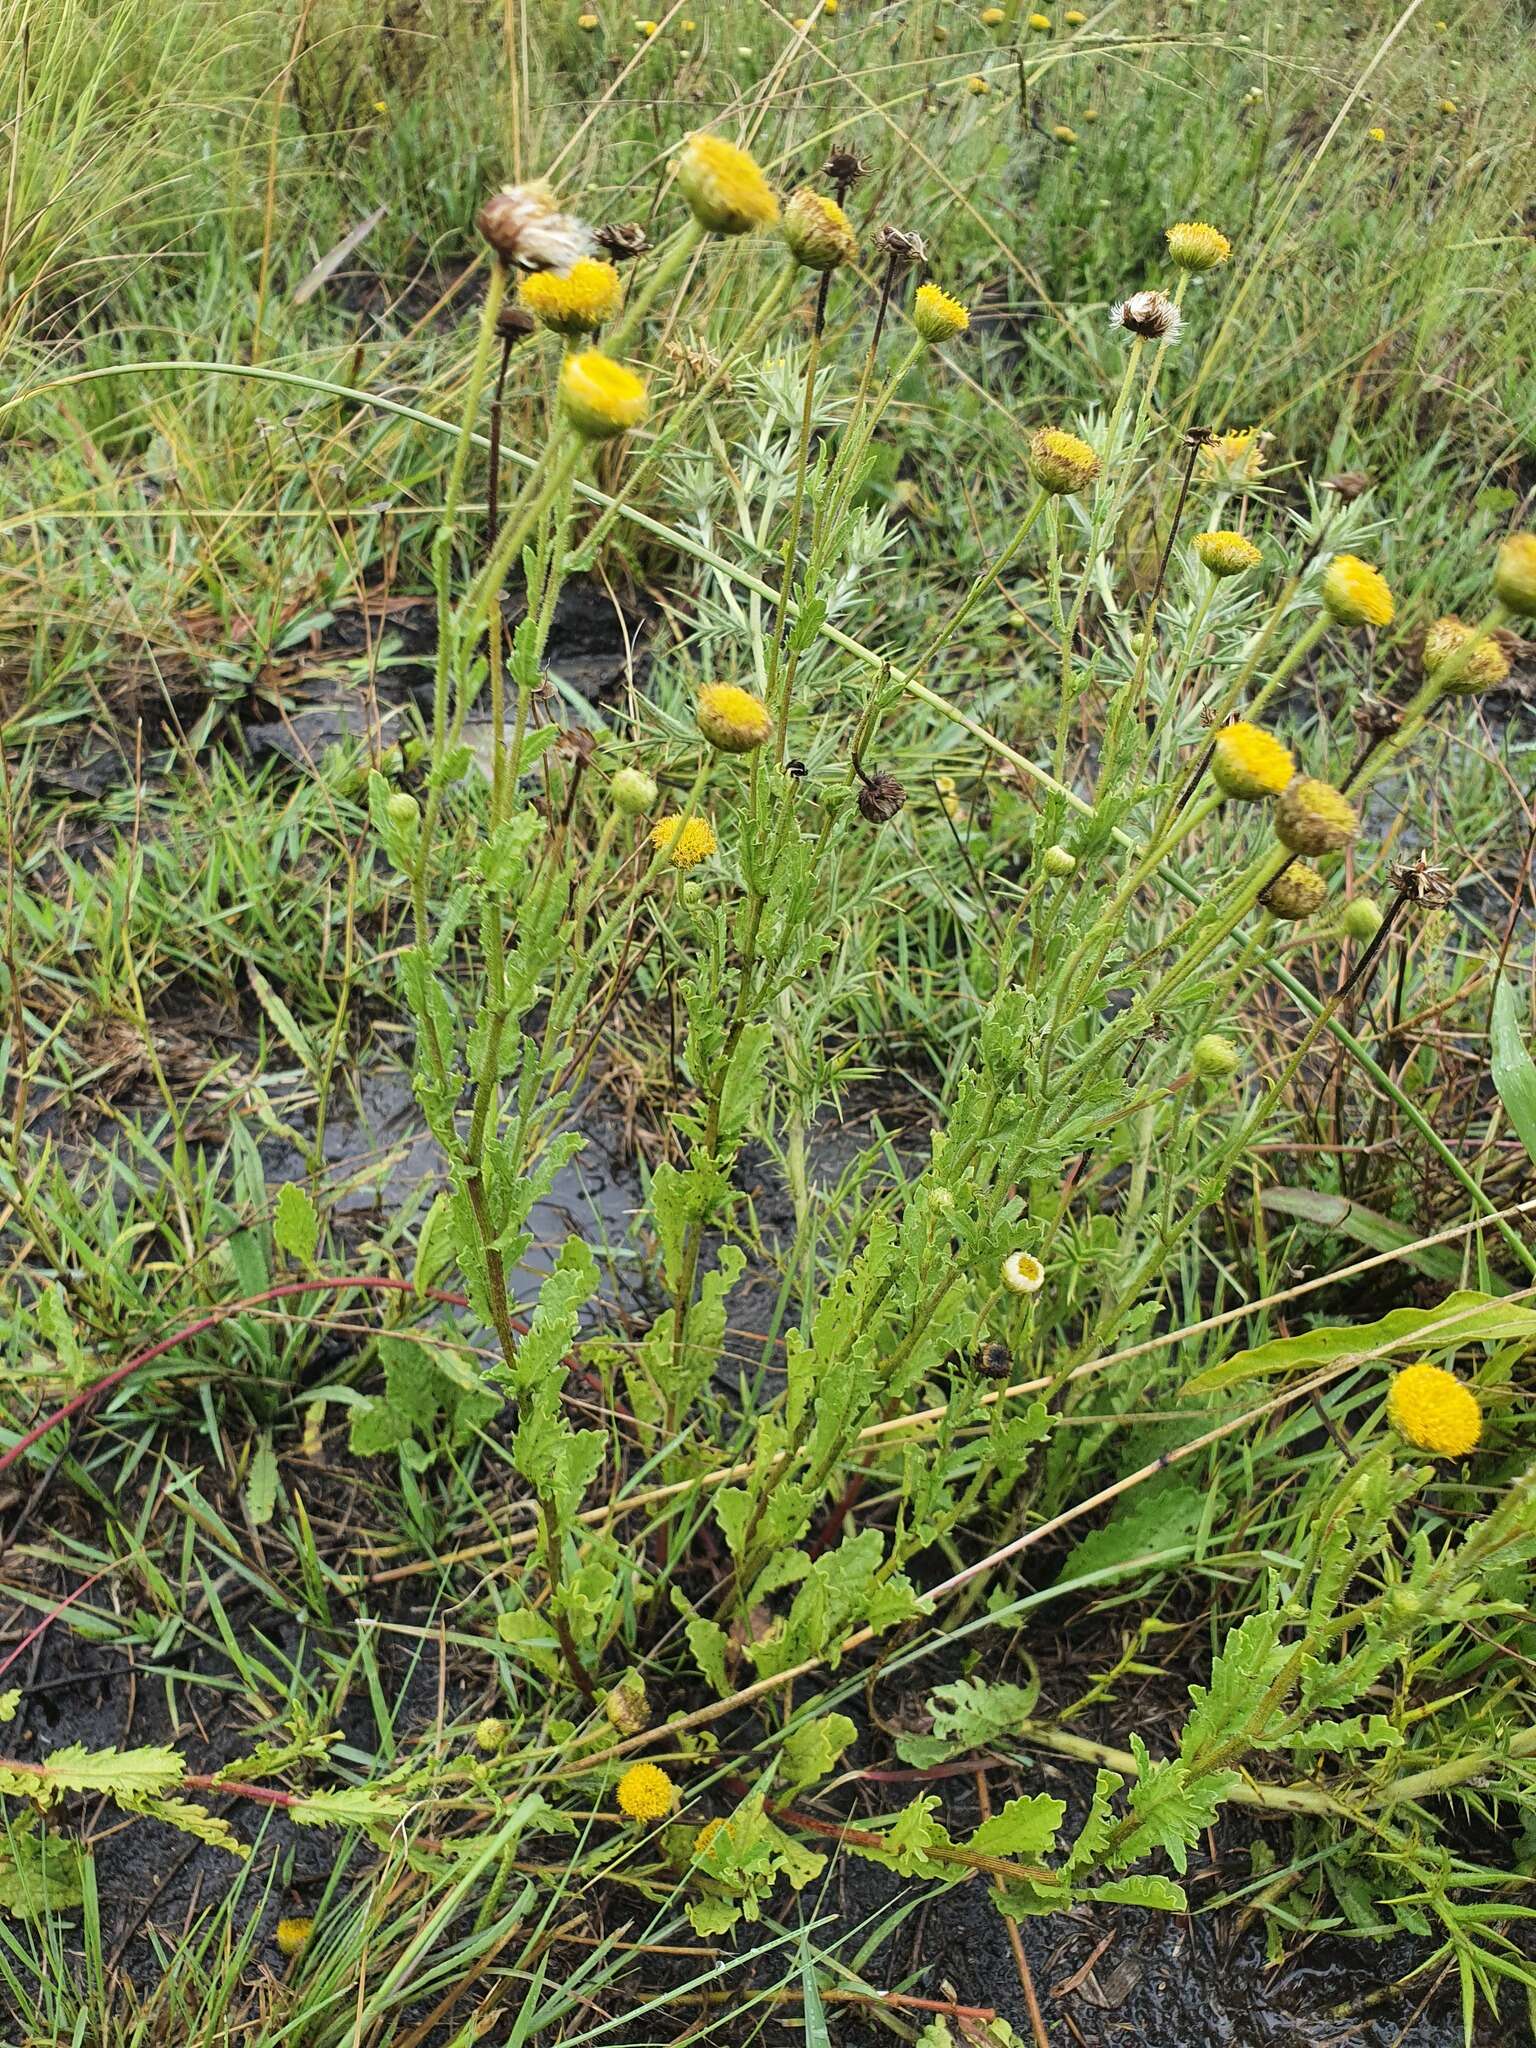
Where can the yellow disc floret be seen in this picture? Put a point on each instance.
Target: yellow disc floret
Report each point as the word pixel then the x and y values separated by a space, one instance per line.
pixel 1434 1411
pixel 1249 762
pixel 645 1792
pixel 1295 894
pixel 1234 458
pixel 724 187
pixel 1314 817
pixel 1355 593
pixel 1059 462
pixel 1196 245
pixel 685 841
pixel 578 303
pixel 937 316
pixel 599 396
pixel 291 1935
pixel 817 230
pixel 1461 660
pixel 1514 574
pixel 1226 553
pixel 732 719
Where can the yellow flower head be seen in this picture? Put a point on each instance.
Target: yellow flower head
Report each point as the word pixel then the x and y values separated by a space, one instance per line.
pixel 724 187
pixel 578 303
pixel 732 719
pixel 708 1834
pixel 689 27
pixel 1355 594
pixel 1041 22
pixel 1314 817
pixel 1249 763
pixel 1196 245
pixel 818 232
pixel 1023 1273
pixel 977 83
pixel 1060 463
pixel 1448 106
pixel 685 842
pixel 1226 553
pixel 600 397
pixel 588 22
pixel 993 17
pixel 829 6
pixel 1063 133
pixel 1074 17
pixel 648 28
pixel 292 1935
pixel 646 1792
pixel 1377 134
pixel 1233 459
pixel 1295 894
pixel 1090 113
pixel 1434 1411
pixel 1463 661
pixel 1514 574
pixel 936 316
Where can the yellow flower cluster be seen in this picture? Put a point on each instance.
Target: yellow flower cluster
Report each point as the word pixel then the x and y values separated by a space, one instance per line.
pixel 1248 762
pixel 645 1792
pixel 1355 594
pixel 1314 817
pixel 1434 1411
pixel 1059 462
pixel 936 316
pixel 685 841
pixel 1233 459
pixel 817 231
pixel 1196 245
pixel 589 294
pixel 732 719
pixel 1462 660
pixel 600 397
pixel 723 186
pixel 1226 553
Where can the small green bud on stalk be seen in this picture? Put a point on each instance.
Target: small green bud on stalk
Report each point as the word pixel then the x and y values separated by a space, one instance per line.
pixel 1215 1058
pixel 633 791
pixel 1362 919
pixel 1057 861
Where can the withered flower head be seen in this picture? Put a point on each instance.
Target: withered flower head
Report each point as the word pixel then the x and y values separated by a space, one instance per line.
pixel 527 230
pixel 1152 315
pixel 622 240
pixel 902 247
pixel 1421 881
pixel 1349 484
pixel 881 796
pixel 843 169
pixel 514 323
pixel 1374 716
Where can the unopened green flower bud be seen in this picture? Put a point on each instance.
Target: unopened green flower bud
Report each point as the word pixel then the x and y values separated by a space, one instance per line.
pixel 692 894
pixel 1057 861
pixel 1362 919
pixel 633 791
pixel 1215 1058
pixel 403 810
pixel 491 1735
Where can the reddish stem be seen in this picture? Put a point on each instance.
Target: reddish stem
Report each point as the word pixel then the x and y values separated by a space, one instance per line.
pixel 381 1283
